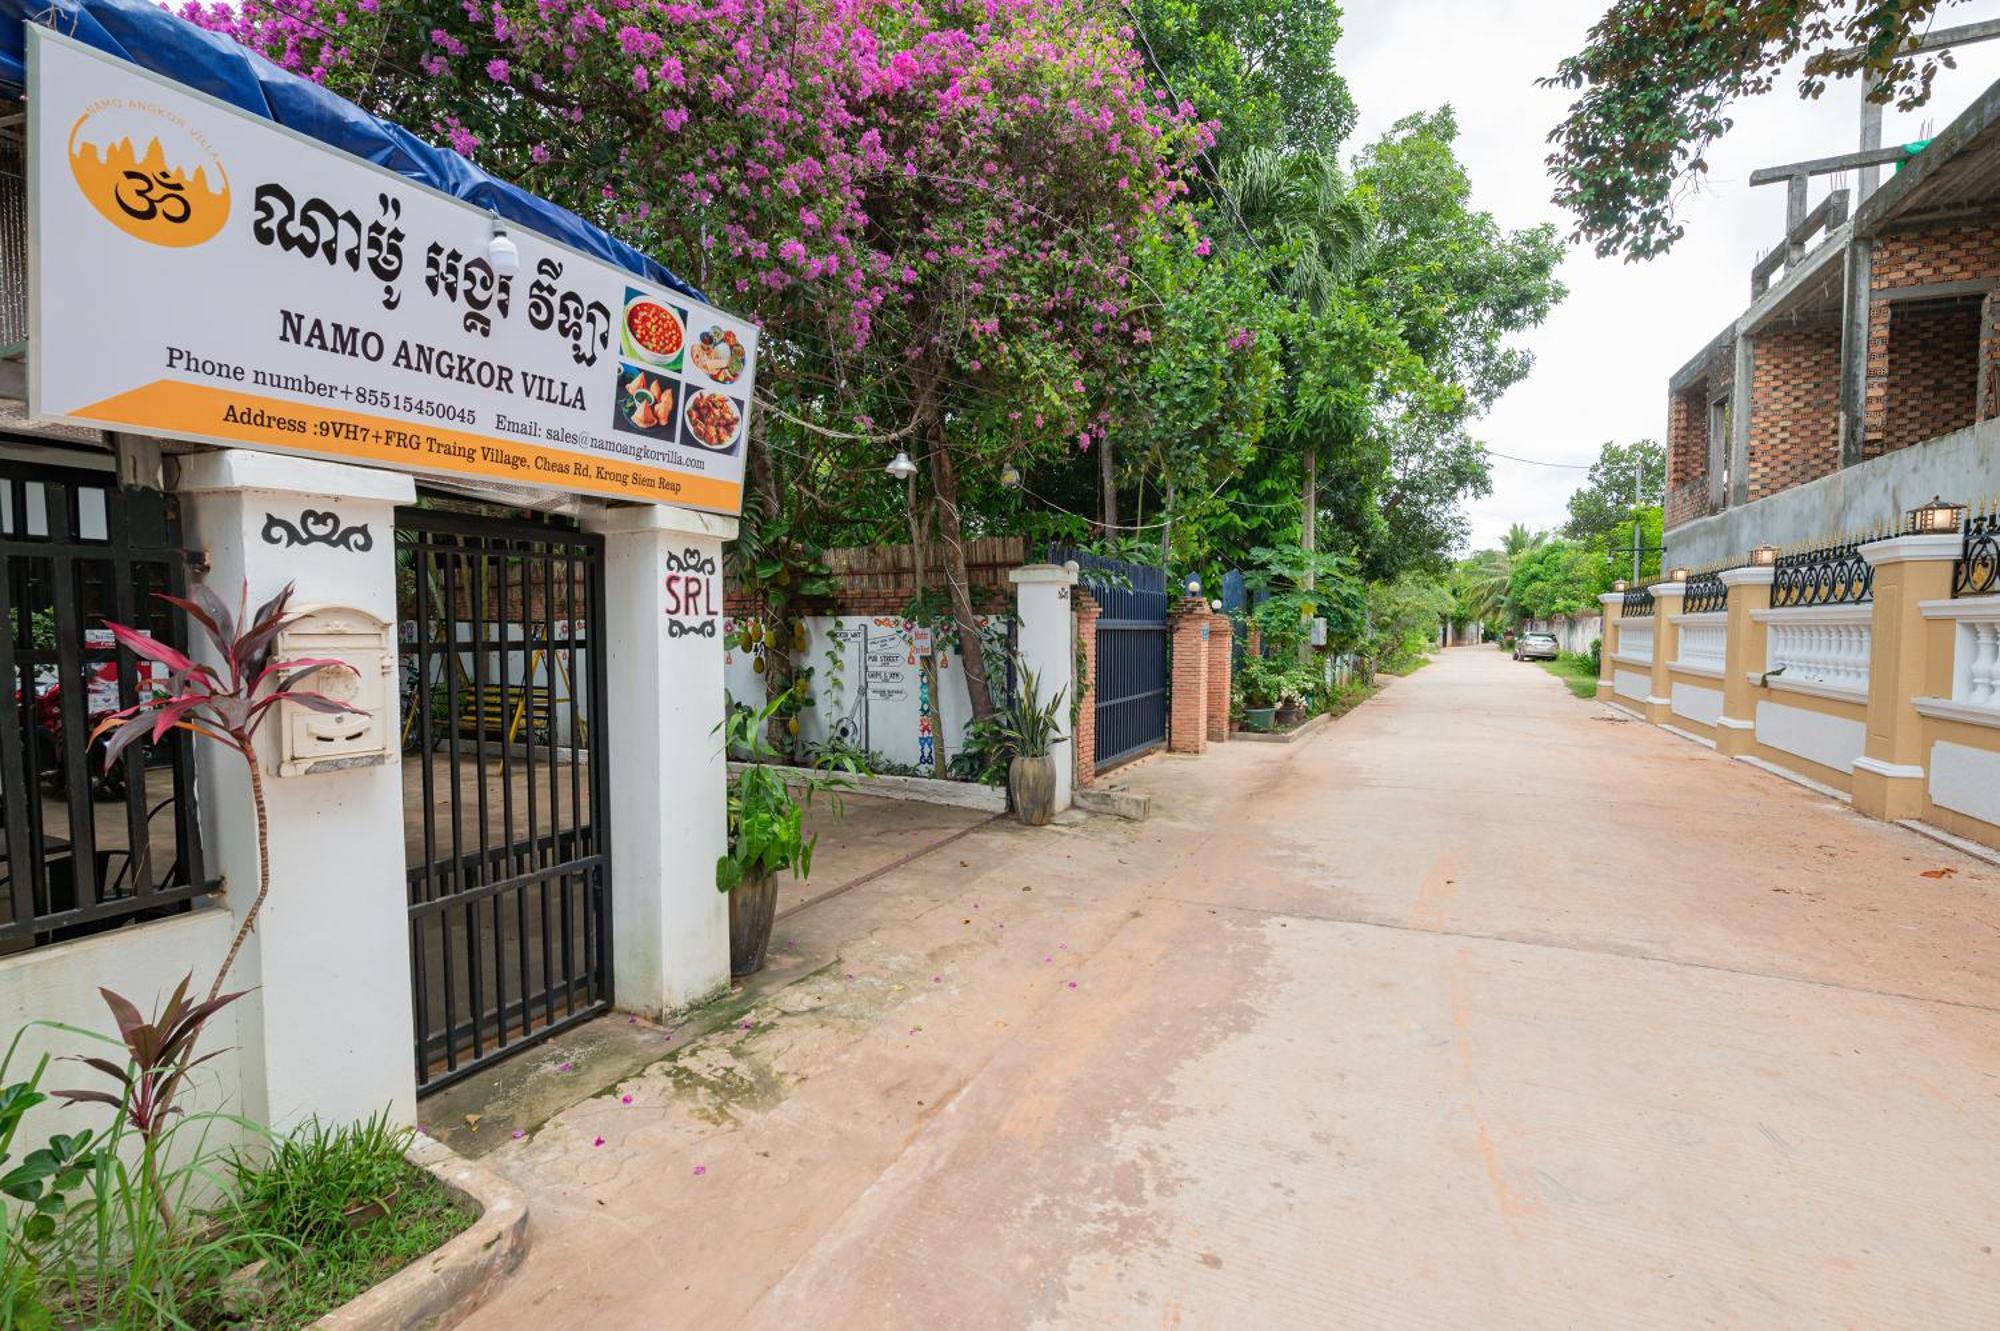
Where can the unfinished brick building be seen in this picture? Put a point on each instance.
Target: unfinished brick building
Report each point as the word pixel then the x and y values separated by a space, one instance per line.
pixel 1845 392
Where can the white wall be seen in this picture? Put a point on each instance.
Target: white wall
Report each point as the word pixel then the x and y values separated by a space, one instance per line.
pixel 143 962
pixel 875 697
pixel 1573 635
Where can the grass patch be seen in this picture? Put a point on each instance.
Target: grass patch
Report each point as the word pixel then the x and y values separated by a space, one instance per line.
pixel 1574 670
pixel 1349 697
pixel 327 1272
pixel 1405 667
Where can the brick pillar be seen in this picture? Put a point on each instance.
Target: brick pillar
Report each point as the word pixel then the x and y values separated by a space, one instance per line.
pixel 1221 637
pixel 1890 776
pixel 1187 725
pixel 1087 611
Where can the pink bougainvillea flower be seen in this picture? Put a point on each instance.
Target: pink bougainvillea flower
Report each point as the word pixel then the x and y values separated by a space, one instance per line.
pixel 1072 984
pixel 746 1025
pixel 625 1099
pixel 565 1066
pixel 699 1170
pixel 937 979
pixel 518 1134
pixel 598 1142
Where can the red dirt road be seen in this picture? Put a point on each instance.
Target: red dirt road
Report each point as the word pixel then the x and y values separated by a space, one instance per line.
pixel 1481 1007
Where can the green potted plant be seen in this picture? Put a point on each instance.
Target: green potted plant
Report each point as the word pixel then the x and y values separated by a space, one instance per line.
pixel 1029 728
pixel 1260 682
pixel 767 832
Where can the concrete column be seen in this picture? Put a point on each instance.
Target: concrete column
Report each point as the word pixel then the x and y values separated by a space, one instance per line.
pixel 1613 608
pixel 1087 612
pixel 1221 640
pixel 1187 726
pixel 1743 657
pixel 668 777
pixel 326 1028
pixel 1667 600
pixel 1048 647
pixel 1889 777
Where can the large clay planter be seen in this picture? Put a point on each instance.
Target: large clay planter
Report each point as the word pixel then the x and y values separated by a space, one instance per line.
pixel 1031 783
pixel 753 904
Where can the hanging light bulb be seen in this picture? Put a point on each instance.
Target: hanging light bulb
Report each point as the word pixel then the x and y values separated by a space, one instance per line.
pixel 900 466
pixel 501 251
pixel 1010 477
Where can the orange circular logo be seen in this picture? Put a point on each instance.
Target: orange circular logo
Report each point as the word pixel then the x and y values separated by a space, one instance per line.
pixel 148 173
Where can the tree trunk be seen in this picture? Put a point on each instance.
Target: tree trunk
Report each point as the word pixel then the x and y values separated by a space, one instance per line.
pixel 1107 487
pixel 944 481
pixel 1167 527
pixel 263 870
pixel 779 669
pixel 1309 518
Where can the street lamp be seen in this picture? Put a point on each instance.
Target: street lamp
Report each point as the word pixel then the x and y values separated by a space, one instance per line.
pixel 1939 517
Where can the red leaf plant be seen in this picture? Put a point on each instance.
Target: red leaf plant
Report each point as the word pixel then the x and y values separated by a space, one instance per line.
pixel 226 705
pixel 161 1054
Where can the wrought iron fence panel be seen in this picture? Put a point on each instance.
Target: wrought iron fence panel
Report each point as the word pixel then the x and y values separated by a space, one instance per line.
pixel 1638 603
pixel 1706 593
pixel 1132 671
pixel 86 848
pixel 1978 570
pixel 1830 575
pixel 509 873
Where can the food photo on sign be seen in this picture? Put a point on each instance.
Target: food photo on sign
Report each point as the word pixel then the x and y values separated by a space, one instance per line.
pixel 674 389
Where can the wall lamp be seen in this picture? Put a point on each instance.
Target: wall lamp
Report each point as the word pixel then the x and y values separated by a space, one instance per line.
pixel 1939 517
pixel 1620 585
pixel 1764 555
pixel 1677 575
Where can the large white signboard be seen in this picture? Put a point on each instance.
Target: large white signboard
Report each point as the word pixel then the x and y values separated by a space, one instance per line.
pixel 204 274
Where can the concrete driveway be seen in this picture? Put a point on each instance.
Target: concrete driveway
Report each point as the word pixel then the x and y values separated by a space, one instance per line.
pixel 1484 1007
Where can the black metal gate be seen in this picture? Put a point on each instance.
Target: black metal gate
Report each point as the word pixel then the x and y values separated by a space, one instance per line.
pixel 84 849
pixel 503 694
pixel 1131 653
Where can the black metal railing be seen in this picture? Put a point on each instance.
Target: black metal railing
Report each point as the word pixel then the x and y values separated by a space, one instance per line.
pixel 1638 603
pixel 1977 572
pixel 1706 593
pixel 1828 575
pixel 86 849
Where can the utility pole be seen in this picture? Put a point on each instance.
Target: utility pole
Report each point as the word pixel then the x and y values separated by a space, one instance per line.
pixel 1309 519
pixel 1638 491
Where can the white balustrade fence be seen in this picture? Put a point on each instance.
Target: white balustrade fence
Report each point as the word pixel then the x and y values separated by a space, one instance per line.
pixel 1976 676
pixel 1635 640
pixel 1704 641
pixel 1828 646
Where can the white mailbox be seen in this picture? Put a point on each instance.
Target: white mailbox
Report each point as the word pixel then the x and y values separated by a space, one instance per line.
pixel 310 741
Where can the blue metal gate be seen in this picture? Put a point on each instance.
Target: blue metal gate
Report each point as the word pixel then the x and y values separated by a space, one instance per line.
pixel 1131 653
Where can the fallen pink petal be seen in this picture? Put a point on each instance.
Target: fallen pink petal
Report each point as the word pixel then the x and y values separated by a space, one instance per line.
pixel 699 1170
pixel 598 1142
pixel 626 1099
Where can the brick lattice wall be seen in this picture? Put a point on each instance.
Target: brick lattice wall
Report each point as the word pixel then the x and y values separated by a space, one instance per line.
pixel 881 580
pixel 1933 373
pixel 1087 611
pixel 1187 721
pixel 1925 364
pixel 1794 408
pixel 1220 637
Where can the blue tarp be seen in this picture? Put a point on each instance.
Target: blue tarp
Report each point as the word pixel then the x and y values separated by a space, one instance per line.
pixel 154 40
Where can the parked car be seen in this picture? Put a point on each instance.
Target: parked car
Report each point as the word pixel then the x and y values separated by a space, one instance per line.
pixel 1536 647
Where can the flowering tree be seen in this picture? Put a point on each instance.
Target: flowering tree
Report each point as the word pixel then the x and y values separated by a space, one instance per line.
pixel 934 208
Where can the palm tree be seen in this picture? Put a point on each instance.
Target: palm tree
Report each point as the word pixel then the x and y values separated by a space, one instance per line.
pixel 1299 204
pixel 1484 579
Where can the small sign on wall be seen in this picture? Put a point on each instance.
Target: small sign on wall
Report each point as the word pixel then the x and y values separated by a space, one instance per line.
pixel 920 638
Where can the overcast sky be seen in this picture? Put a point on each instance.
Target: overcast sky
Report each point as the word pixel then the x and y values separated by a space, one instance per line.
pixel 1602 359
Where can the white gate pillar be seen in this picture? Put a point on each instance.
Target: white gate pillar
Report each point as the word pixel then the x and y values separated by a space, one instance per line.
pixel 1041 598
pixel 665 772
pixel 326 1028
